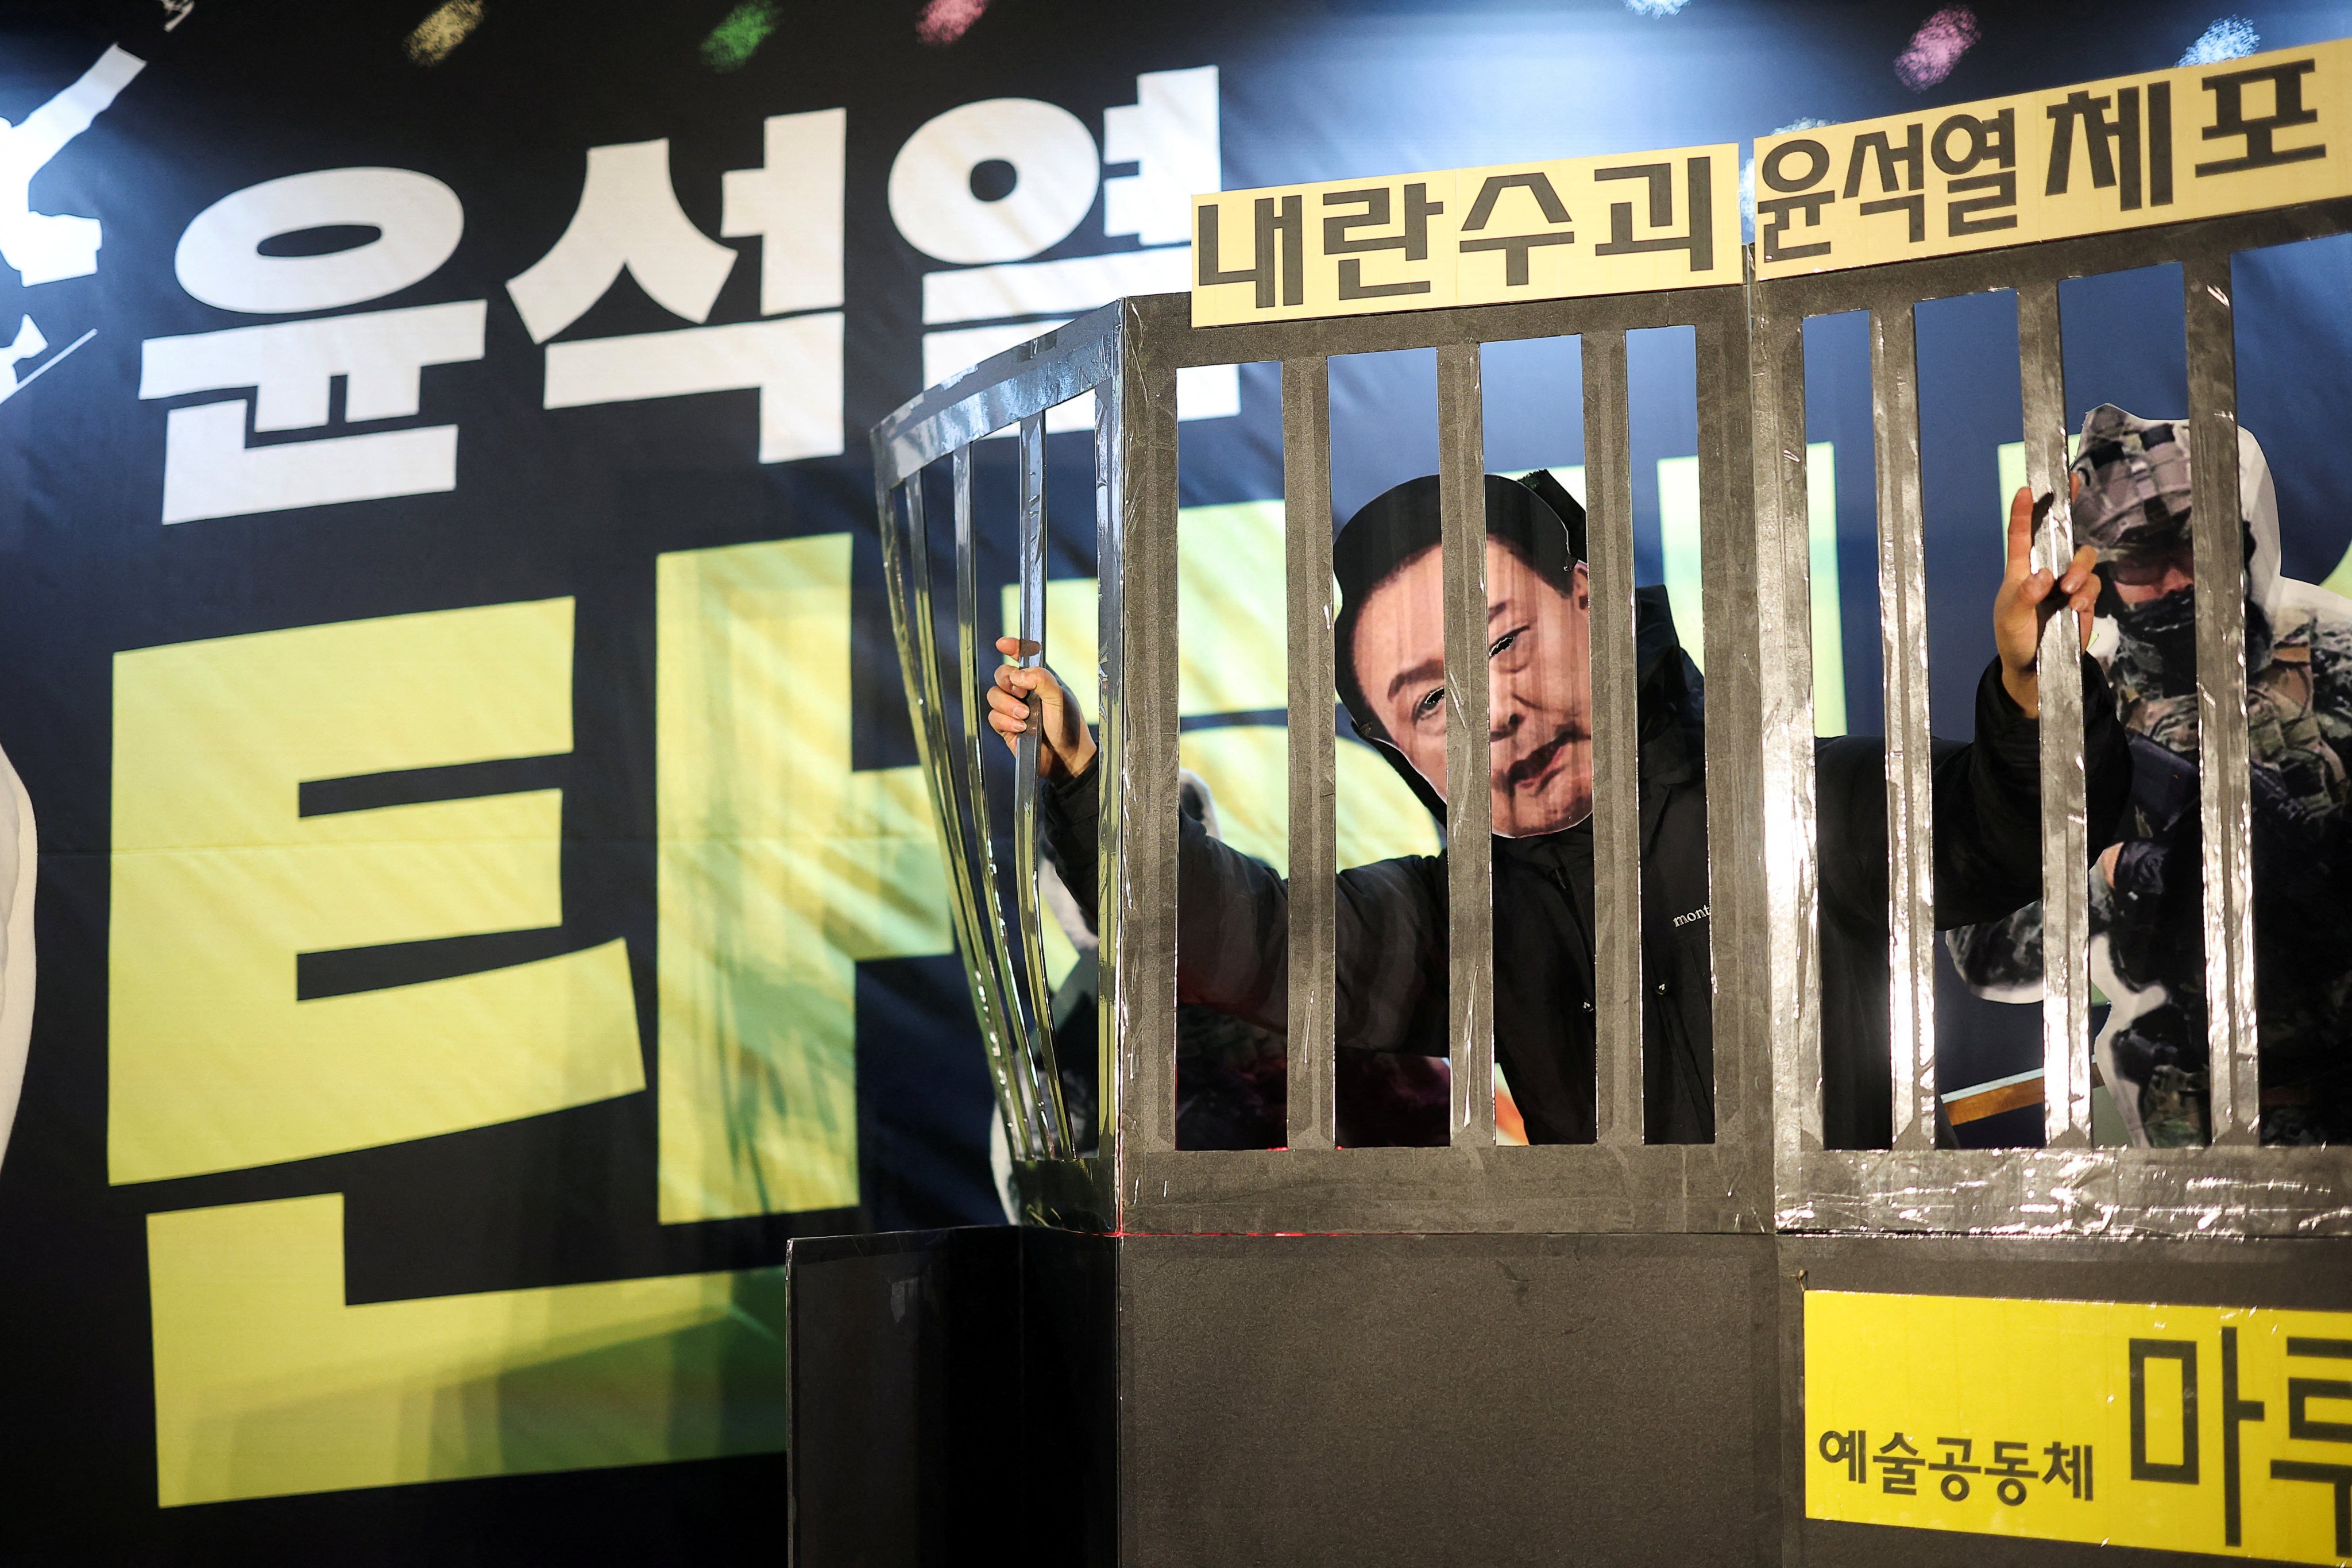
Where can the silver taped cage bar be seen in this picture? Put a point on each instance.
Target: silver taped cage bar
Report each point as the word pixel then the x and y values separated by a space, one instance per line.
pixel 1616 750
pixel 1910 755
pixel 1053 1114
pixel 1469 805
pixel 1314 828
pixel 2066 842
pixel 2224 756
pixel 1032 1096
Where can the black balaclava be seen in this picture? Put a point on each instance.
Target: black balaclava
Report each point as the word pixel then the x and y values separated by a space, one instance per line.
pixel 2136 501
pixel 1538 520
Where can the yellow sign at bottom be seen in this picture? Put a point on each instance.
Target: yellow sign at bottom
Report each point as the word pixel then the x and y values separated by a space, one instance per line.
pixel 2217 1429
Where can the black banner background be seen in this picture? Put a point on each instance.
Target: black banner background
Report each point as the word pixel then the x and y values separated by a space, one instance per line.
pixel 578 503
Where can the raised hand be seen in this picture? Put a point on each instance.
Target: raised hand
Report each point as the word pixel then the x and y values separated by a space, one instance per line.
pixel 2028 598
pixel 1065 749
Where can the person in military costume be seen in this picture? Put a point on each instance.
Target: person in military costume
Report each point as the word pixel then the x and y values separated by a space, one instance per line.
pixel 2132 501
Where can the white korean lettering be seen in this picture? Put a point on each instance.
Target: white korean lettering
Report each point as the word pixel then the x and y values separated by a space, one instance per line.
pixel 209 472
pixel 418 219
pixel 27 342
pixel 1054 166
pixel 44 248
pixel 208 469
pixel 795 363
pixel 628 217
pixel 291 365
pixel 1170 134
pixel 793 203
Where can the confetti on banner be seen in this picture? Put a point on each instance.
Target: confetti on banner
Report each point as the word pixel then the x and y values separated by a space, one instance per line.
pixel 738 34
pixel 944 21
pixel 443 31
pixel 1936 48
pixel 2231 38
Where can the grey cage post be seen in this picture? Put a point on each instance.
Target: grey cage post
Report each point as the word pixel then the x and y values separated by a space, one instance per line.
pixel 2067 1187
pixel 1129 355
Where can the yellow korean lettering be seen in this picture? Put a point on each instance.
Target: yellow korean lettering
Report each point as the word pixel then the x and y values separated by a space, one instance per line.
pixel 267 1383
pixel 219 882
pixel 2217 1429
pixel 779 869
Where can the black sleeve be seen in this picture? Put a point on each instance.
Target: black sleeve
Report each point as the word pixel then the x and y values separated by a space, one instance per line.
pixel 1987 809
pixel 1232 927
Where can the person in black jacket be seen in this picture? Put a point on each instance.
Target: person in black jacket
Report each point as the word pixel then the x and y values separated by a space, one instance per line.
pixel 1232 912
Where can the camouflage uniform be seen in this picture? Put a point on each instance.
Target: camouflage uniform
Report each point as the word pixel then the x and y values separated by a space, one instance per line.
pixel 2298 699
pixel 2148 953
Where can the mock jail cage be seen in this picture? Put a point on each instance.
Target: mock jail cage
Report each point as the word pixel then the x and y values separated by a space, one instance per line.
pixel 1767 1168
pixel 2232 1186
pixel 1129 355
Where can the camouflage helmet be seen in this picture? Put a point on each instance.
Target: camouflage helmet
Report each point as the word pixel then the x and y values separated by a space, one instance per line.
pixel 2135 476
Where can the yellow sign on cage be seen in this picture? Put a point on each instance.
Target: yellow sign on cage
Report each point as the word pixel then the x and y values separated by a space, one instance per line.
pixel 2266 131
pixel 1569 227
pixel 2225 1430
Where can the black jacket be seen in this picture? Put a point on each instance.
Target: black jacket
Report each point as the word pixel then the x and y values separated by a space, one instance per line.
pixel 1233 911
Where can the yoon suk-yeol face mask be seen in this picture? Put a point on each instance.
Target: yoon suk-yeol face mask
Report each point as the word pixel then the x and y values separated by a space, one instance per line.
pixel 1391 646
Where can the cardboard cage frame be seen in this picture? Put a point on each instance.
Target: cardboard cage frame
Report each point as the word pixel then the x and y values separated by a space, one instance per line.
pixel 1767 1169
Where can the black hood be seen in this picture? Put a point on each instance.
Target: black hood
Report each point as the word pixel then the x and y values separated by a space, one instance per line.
pixel 1542 524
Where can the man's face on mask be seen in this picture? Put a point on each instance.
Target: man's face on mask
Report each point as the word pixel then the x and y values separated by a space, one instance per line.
pixel 1538 685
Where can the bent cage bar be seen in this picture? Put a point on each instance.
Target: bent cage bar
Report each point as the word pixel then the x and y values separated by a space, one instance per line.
pixel 1767 1169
